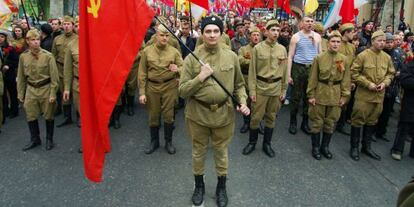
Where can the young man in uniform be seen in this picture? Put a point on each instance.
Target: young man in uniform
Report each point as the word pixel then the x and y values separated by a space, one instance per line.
pixel 37 83
pixel 267 86
pixel 328 90
pixel 372 71
pixel 209 113
pixel 157 73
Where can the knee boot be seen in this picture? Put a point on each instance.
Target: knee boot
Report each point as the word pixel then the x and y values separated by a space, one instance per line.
pixel 221 193
pixel 305 126
pixel 267 139
pixel 130 103
pixel 366 142
pixel 253 136
pixel 78 120
pixel 293 124
pixel 67 113
pixel 355 139
pixel 316 139
pixel 155 140
pixel 340 125
pixel 199 190
pixel 34 135
pixel 116 118
pixel 58 103
pixel 246 123
pixel 326 139
pixel 168 131
pixel 50 125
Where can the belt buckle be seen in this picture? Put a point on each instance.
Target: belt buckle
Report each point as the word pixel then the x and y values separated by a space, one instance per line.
pixel 213 107
pixel 269 81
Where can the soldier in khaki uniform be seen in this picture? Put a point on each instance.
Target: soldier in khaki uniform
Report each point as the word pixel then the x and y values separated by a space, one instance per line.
pixel 267 86
pixel 209 112
pixel 347 49
pixel 157 73
pixel 372 71
pixel 245 54
pixel 224 41
pixel 60 44
pixel 171 41
pixel 132 83
pixel 319 29
pixel 71 75
pixel 328 90
pixel 37 83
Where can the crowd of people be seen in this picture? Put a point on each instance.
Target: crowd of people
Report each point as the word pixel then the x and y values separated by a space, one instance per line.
pixel 345 79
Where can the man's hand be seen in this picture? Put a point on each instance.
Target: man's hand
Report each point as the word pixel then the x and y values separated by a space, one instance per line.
pixel 21 100
pixel 353 86
pixel 381 87
pixel 6 67
pixel 290 80
pixel 173 67
pixel 142 99
pixel 243 109
pixel 66 95
pixel 312 101
pixel 253 98
pixel 372 87
pixel 206 72
pixel 282 98
pixel 342 101
pixel 52 99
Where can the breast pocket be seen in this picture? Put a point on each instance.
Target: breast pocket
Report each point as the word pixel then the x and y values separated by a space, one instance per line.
pixel 369 72
pixel 324 73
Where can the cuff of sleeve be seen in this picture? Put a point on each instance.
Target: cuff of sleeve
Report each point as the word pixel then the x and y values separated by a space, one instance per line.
pixel 141 92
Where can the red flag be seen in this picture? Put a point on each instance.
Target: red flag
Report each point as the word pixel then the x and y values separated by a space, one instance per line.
pixel 111 33
pixel 284 5
pixel 347 11
pixel 201 3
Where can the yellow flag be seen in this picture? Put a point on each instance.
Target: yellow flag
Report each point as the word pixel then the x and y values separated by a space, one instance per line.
pixel 311 6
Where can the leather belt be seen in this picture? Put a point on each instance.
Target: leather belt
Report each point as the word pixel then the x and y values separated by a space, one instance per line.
pixel 268 80
pixel 39 84
pixel 333 82
pixel 303 65
pixel 160 81
pixel 245 71
pixel 212 107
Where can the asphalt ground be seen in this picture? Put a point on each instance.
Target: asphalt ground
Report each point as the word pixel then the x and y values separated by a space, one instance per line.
pixel 132 178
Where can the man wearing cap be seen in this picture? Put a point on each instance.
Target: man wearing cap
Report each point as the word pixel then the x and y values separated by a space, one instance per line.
pixel 304 46
pixel 209 113
pixel 328 90
pixel 267 86
pixel 365 36
pixel 37 83
pixel 171 41
pixel 347 49
pixel 157 73
pixel 391 91
pixel 245 55
pixel 319 29
pixel 224 41
pixel 60 44
pixel 372 71
pixel 239 39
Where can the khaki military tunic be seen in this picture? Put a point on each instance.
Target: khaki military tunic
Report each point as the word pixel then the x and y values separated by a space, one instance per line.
pixel 171 41
pixel 209 112
pixel 328 82
pixel 324 44
pixel 132 79
pixel 245 54
pixel 37 81
pixel 158 83
pixel 268 80
pixel 224 41
pixel 60 44
pixel 71 71
pixel 370 67
pixel 348 49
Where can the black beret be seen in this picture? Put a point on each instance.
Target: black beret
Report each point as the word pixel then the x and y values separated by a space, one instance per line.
pixel 212 20
pixel 46 28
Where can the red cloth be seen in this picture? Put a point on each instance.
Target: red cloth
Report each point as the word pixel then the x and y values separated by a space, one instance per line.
pixel 284 5
pixel 201 3
pixel 347 11
pixel 106 56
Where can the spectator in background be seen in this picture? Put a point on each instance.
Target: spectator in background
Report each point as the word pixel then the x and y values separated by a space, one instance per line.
pixel 46 39
pixel 19 42
pixel 55 23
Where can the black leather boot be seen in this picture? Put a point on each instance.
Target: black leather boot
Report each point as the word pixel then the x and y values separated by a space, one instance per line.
pixel 246 124
pixel 168 131
pixel 67 115
pixel 34 135
pixel 50 125
pixel 293 124
pixel 130 104
pixel 58 103
pixel 199 190
pixel 355 138
pixel 267 139
pixel 117 115
pixel 78 120
pixel 221 193
pixel 261 128
pixel 366 142
pixel 253 136
pixel 326 139
pixel 316 139
pixel 341 124
pixel 305 126
pixel 155 140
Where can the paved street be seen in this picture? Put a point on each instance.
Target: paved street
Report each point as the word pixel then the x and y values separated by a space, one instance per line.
pixel 132 178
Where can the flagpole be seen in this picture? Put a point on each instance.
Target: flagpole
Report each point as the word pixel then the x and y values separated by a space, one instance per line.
pixel 25 15
pixel 34 12
pixel 191 19
pixel 176 12
pixel 233 98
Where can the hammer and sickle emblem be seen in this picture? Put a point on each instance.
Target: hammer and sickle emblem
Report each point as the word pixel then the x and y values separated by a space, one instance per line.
pixel 94 8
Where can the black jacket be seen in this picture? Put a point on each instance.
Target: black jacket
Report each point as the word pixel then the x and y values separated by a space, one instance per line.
pixel 47 43
pixel 190 42
pixel 407 83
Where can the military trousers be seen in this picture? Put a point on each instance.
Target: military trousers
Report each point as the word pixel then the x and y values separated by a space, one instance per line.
pixel 75 94
pixel 220 139
pixel 34 107
pixel 323 117
pixel 161 102
pixel 265 107
pixel 365 113
pixel 62 85
pixel 299 75
pixel 131 83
